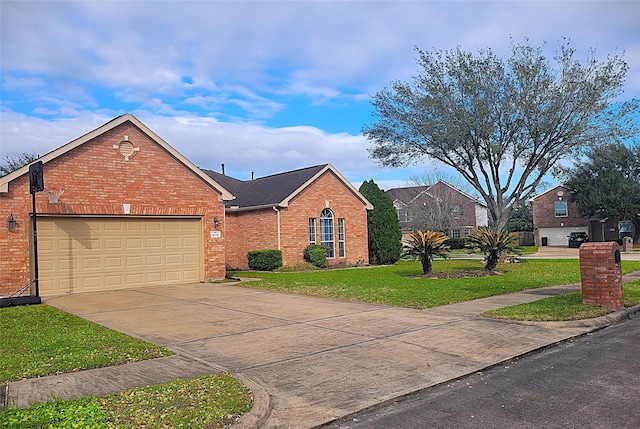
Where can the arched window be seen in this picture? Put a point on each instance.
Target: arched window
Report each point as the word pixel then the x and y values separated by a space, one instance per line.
pixel 326 231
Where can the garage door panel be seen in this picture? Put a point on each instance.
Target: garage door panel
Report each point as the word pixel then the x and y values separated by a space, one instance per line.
pixel 172 242
pixel 113 244
pixel 154 260
pixel 86 254
pixel 135 243
pixel 114 282
pixel 172 260
pixel 113 262
pixel 154 243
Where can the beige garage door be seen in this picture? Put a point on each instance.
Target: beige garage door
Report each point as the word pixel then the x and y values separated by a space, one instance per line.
pixel 83 254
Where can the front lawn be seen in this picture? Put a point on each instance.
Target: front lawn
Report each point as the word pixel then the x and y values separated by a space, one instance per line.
pixel 563 307
pixel 210 401
pixel 402 284
pixel 39 340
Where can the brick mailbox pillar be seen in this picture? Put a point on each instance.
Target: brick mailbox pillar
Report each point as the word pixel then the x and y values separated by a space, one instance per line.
pixel 601 275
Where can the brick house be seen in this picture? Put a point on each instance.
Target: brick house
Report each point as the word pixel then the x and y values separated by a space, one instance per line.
pixel 555 216
pixel 134 212
pixel 122 208
pixel 440 207
pixel 290 210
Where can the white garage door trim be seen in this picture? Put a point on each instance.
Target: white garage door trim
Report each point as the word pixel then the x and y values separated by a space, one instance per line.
pixel 558 236
pixel 83 254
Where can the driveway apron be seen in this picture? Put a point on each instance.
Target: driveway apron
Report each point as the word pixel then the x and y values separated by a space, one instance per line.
pixel 319 359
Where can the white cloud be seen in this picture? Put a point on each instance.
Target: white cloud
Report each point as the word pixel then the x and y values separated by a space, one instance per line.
pixel 185 67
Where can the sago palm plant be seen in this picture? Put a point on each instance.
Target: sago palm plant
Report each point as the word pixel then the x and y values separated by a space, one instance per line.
pixel 494 245
pixel 424 246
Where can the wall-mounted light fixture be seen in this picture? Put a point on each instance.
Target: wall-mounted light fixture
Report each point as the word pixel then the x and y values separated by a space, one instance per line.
pixel 11 222
pixel 216 222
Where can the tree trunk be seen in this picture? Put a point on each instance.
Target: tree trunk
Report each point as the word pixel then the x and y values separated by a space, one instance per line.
pixel 426 265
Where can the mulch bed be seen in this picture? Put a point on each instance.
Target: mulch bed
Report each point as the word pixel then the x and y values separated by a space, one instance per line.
pixel 461 274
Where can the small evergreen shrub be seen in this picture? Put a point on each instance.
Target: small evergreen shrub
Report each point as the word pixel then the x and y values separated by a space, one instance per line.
pixel 318 257
pixel 457 243
pixel 316 254
pixel 264 260
pixel 306 253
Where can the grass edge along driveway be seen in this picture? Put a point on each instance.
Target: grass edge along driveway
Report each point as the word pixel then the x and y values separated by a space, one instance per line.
pixel 402 285
pixel 40 340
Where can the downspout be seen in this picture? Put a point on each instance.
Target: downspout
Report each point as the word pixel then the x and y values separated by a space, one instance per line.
pixel 278 214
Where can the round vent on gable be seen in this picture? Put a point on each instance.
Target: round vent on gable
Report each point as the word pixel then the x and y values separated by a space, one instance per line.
pixel 126 148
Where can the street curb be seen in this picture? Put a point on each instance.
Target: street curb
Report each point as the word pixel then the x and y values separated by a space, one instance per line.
pixel 262 405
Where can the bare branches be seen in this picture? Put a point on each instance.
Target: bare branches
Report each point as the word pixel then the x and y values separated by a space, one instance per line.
pixel 501 124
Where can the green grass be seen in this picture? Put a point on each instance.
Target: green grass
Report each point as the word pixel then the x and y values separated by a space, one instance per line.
pixel 39 340
pixel 210 401
pixel 562 307
pixel 401 284
pixel 555 308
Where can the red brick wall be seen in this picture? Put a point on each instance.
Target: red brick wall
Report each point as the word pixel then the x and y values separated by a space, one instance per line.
pixel 326 192
pixel 250 230
pixel 257 230
pixel 544 214
pixel 601 276
pixel 98 181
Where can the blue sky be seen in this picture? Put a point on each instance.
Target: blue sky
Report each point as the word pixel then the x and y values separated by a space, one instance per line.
pixel 261 86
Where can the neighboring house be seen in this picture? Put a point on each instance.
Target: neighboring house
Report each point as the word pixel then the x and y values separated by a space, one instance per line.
pixel 134 212
pixel 289 211
pixel 555 216
pixel 439 207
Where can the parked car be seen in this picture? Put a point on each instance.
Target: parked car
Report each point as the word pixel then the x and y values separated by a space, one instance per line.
pixel 577 238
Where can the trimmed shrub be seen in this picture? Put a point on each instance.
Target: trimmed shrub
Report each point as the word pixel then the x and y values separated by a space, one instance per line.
pixel 264 260
pixel 318 257
pixel 457 243
pixel 316 254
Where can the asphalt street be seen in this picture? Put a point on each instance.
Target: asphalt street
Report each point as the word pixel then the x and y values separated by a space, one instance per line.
pixel 592 381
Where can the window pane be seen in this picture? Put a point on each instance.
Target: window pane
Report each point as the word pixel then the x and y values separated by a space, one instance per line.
pixel 326 231
pixel 561 208
pixel 341 251
pixel 312 230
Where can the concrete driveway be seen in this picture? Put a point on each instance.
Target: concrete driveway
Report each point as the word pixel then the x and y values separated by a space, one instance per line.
pixel 319 359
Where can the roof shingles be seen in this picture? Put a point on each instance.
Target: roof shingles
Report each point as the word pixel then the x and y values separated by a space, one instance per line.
pixel 265 191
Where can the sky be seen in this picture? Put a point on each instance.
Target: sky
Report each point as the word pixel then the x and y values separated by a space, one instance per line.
pixel 264 86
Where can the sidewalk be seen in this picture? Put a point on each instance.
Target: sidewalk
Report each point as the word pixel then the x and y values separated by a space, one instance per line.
pixel 308 360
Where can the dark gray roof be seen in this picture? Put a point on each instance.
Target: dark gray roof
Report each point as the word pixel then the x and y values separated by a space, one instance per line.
pixel 404 195
pixel 265 191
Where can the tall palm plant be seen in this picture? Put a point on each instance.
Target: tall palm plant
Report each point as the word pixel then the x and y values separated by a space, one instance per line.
pixel 424 246
pixel 494 245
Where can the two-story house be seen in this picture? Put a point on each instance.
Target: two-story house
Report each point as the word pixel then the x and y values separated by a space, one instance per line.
pixel 555 216
pixel 439 207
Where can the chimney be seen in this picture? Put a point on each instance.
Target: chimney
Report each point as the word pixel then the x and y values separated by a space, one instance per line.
pixel 223 170
pixel 252 175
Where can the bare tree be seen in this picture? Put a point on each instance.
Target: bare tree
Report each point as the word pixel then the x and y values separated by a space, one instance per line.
pixel 501 124
pixel 13 162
